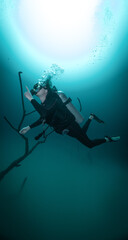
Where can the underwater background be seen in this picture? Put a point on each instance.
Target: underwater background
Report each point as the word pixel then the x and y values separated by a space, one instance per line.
pixel 64 190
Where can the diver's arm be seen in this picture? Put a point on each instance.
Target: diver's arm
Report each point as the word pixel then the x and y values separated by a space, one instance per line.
pixel 35 124
pixel 37 106
pixel 28 95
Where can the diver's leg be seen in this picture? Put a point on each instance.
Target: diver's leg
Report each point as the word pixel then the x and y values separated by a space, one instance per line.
pixel 87 123
pixel 76 131
pixel 90 143
pixel 92 116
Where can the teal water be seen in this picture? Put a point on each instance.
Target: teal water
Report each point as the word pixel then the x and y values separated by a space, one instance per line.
pixel 64 190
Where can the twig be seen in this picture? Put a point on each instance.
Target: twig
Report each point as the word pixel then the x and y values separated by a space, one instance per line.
pixel 30 113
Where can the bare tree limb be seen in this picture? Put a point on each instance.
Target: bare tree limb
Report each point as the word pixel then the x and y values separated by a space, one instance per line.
pixel 16 163
pixel 10 124
pixel 15 128
pixel 22 99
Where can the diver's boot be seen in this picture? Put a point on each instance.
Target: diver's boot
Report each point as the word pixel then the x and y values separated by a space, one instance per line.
pixel 112 139
pixel 93 116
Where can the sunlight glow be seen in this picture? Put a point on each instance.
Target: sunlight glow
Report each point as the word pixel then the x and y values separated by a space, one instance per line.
pixel 80 36
pixel 64 29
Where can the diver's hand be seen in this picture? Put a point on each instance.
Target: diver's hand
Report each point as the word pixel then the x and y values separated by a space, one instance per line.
pixel 28 95
pixel 24 130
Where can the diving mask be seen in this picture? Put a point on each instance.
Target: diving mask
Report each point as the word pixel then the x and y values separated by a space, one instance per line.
pixel 37 87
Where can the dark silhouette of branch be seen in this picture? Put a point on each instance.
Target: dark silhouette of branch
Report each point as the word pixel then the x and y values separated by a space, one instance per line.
pixel 16 163
pixel 30 113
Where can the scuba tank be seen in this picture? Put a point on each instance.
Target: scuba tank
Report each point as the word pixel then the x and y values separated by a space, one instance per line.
pixel 67 101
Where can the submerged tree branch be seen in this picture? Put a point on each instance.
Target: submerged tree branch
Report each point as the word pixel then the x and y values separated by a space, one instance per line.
pixel 16 163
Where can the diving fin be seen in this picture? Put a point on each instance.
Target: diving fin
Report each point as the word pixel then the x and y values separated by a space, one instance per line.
pixel 96 118
pixel 112 139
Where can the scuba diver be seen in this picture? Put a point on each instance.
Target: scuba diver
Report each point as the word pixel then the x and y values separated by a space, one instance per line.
pixel 57 111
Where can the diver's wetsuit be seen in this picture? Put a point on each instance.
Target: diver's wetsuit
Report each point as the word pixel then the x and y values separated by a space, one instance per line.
pixel 56 115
